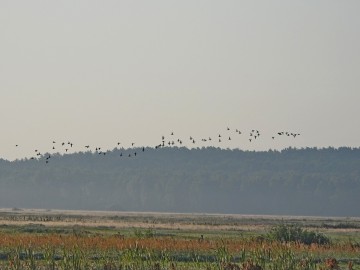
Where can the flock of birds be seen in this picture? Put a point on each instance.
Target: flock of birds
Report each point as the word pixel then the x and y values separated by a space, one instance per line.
pixel 171 141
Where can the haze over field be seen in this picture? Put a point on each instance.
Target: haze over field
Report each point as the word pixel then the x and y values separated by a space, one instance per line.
pixel 96 73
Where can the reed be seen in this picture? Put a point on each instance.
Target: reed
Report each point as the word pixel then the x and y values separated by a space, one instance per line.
pixel 77 252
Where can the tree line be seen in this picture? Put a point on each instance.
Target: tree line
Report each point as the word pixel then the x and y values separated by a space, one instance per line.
pixel 308 181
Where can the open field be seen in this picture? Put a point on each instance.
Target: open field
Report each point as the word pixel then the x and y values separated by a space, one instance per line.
pixel 179 221
pixel 55 239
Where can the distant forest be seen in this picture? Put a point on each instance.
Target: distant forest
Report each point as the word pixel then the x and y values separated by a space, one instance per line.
pixel 310 181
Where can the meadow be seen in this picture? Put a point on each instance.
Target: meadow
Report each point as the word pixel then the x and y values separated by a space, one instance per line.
pixel 52 239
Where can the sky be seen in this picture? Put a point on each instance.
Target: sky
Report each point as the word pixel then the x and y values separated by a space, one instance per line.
pixel 101 72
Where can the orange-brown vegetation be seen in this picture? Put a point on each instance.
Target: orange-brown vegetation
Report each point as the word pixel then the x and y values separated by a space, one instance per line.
pixel 114 242
pixel 249 265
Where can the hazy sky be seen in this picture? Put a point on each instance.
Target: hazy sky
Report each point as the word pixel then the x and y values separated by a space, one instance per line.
pixel 98 72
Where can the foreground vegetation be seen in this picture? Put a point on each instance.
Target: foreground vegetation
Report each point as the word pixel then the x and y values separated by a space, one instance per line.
pixel 287 245
pixel 23 251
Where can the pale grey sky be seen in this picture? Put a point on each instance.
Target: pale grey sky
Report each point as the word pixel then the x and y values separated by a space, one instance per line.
pixel 98 72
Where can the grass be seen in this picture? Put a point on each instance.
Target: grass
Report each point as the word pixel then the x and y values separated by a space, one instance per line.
pixel 98 244
pixel 31 251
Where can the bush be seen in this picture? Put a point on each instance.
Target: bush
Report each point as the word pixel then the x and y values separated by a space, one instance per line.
pixel 139 233
pixel 293 233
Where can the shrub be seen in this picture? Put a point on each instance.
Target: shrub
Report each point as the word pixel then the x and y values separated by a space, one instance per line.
pixel 294 233
pixel 139 233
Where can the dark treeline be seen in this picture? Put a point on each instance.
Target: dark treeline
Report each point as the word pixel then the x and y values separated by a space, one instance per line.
pixel 307 181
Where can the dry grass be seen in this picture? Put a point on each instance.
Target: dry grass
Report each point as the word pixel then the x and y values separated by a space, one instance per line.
pixel 163 243
pixel 201 222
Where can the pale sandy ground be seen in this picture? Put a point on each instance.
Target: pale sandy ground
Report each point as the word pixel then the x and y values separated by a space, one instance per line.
pixel 183 221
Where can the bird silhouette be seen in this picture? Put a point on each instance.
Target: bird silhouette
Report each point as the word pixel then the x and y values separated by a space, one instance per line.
pixel 254 134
